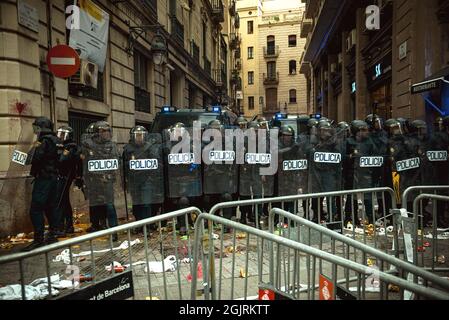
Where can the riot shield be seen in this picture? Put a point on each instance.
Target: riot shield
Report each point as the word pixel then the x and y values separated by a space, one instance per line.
pixel 405 164
pixel 257 156
pixel 144 170
pixel 183 173
pixel 325 165
pixel 220 168
pixel 15 189
pixel 292 171
pixel 103 178
pixel 364 161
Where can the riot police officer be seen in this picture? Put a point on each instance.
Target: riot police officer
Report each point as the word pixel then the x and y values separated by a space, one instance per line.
pixel 101 171
pixel 241 122
pixel 70 169
pixel 325 171
pixel 44 169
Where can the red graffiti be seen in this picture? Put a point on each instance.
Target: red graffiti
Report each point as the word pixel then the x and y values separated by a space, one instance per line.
pixel 20 106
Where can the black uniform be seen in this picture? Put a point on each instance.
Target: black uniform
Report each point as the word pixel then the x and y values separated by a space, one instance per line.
pixel 70 168
pixel 44 169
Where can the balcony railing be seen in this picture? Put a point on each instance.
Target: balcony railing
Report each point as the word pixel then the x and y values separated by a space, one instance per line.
pixel 271 51
pixel 306 26
pixel 207 66
pixel 195 52
pixel 238 53
pixel 219 76
pixel 234 40
pixel 217 11
pixel 238 65
pixel 142 100
pixel 232 8
pixel 271 78
pixel 177 30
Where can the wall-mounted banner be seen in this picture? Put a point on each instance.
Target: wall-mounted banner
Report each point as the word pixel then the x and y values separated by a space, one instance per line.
pixel 91 39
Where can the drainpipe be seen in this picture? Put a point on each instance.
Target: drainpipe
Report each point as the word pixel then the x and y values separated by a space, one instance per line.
pixel 52 88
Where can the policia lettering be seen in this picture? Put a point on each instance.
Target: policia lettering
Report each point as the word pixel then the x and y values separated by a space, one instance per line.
pixel 408 164
pixel 326 157
pixel 102 165
pixel 143 164
pixel 437 155
pixel 293 165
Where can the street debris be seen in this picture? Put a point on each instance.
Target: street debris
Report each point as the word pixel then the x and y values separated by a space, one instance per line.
pixel 393 288
pixel 64 256
pixel 152 298
pixel 169 264
pixel 118 267
pixel 37 289
pixel 441 236
pixel 242 273
pixel 441 259
pixel 199 273
pixel 241 236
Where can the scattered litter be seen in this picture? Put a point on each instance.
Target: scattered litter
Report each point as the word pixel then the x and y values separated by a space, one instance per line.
pixel 349 226
pixel 441 259
pixel 199 273
pixel 118 268
pixel 419 232
pixel 186 260
pixel 86 278
pixel 170 264
pixel 6 246
pixel 421 249
pixel 241 236
pixel 441 236
pixel 370 262
pixel 152 298
pixel 185 238
pixel 36 290
pixel 370 289
pixel 443 230
pixel 393 288
pixel 20 238
pixel 426 244
pixel 390 229
pixel 65 254
pixel 229 249
pixel 242 273
pixel 215 236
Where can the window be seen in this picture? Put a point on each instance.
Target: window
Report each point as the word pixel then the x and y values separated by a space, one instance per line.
pixel 293 96
pixel 251 77
pixel 292 67
pixel 271 69
pixel 250 52
pixel 292 40
pixel 141 94
pixel 250 27
pixel 251 103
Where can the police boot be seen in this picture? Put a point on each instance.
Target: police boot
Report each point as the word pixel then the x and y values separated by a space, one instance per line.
pixel 37 242
pixel 51 237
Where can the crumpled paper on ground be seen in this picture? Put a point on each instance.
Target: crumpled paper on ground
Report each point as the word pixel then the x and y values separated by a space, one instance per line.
pixel 170 264
pixel 64 256
pixel 36 290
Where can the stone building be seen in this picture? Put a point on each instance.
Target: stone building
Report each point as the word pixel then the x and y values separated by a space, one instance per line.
pixel 352 70
pixel 194 71
pixel 270 48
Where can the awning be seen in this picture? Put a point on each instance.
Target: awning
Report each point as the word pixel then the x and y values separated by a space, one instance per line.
pixel 433 82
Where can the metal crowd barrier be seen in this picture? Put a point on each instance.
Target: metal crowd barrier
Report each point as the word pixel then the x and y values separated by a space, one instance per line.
pixel 171 283
pixel 230 285
pixel 303 230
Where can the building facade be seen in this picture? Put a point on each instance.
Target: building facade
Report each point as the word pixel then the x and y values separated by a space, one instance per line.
pixel 353 70
pixel 195 72
pixel 271 45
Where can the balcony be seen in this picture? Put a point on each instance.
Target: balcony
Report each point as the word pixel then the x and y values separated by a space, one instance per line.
pixel 219 76
pixel 238 65
pixel 234 40
pixel 232 8
pixel 271 79
pixel 177 31
pixel 271 52
pixel 217 11
pixel 306 26
pixel 311 7
pixel 207 66
pixel 237 54
pixel 195 52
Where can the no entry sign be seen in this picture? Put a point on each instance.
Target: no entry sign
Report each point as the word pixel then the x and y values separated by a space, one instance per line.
pixel 63 61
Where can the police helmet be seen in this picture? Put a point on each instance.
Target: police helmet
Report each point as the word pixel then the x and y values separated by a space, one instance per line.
pixel 312 123
pixel 42 124
pixel 215 124
pixel 393 126
pixel 253 125
pixel 138 134
pixel 287 131
pixel 65 133
pixel 357 126
pixel 418 126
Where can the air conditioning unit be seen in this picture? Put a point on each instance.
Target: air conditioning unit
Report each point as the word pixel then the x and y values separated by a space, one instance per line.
pixel 333 67
pixel 87 75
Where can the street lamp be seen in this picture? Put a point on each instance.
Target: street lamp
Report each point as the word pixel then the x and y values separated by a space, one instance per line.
pixel 158 49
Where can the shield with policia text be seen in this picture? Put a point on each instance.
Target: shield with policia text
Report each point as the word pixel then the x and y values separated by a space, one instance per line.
pixel 292 171
pixel 183 173
pixel 143 168
pixel 219 162
pixel 102 172
pixel 18 171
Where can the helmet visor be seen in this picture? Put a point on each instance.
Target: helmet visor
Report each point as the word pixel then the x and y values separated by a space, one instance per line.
pixel 63 135
pixel 139 137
